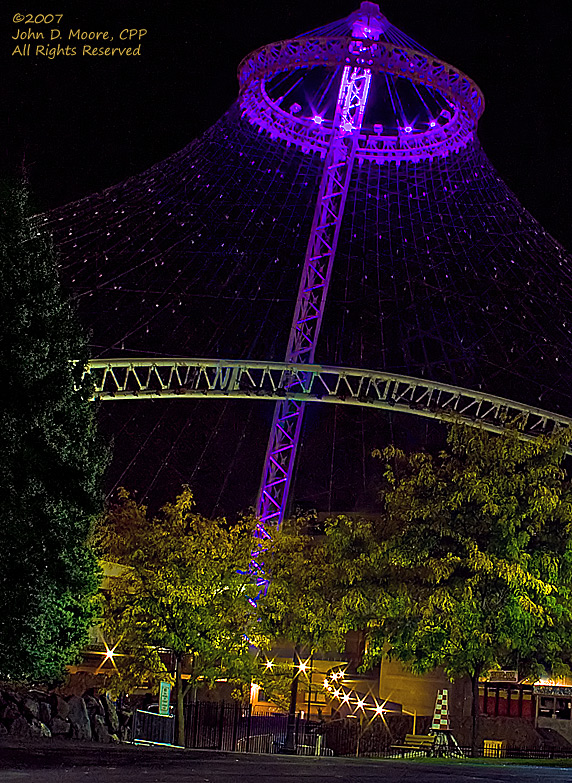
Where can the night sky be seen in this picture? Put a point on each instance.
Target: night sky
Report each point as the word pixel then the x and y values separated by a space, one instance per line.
pixel 84 123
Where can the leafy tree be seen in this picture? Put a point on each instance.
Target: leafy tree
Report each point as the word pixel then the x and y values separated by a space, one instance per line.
pixel 52 459
pixel 300 602
pixel 184 596
pixel 275 678
pixel 470 565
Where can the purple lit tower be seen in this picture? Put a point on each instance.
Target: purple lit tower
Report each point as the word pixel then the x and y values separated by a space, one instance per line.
pixel 338 236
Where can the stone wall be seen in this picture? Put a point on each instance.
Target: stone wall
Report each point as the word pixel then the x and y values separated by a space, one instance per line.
pixel 41 714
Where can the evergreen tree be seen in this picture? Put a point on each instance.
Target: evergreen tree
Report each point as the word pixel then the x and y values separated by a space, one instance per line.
pixel 52 458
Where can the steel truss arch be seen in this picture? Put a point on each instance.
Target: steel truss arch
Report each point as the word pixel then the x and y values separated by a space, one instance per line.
pixel 180 378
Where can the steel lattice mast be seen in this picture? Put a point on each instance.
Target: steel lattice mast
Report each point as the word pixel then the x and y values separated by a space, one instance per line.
pixel 318 264
pixel 446 299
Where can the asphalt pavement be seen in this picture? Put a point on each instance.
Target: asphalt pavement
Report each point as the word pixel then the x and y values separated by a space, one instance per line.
pixel 74 762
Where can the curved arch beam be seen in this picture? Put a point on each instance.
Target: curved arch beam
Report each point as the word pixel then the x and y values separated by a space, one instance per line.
pixel 137 379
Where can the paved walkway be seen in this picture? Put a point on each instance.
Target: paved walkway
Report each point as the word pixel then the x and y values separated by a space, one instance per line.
pixel 73 762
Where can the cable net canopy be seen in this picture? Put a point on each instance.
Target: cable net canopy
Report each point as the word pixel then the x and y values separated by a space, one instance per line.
pixel 440 273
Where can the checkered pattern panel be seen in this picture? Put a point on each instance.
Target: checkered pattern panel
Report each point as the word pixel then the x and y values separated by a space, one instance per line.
pixel 441 714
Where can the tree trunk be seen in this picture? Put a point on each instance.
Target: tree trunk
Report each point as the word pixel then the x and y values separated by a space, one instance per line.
pixel 475 709
pixel 180 712
pixel 290 742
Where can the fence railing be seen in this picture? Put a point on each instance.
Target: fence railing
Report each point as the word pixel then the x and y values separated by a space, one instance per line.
pixel 149 727
pixel 465 752
pixel 235 727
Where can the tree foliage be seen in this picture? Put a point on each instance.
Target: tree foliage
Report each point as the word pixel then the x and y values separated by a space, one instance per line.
pixel 183 602
pixel 299 605
pixel 52 459
pixel 469 566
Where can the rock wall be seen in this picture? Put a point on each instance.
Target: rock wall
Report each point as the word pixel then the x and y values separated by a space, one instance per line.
pixel 41 714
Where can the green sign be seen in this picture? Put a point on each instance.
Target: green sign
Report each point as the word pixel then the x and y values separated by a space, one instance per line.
pixel 164 698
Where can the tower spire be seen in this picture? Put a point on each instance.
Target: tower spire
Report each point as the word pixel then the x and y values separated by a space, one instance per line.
pixel 317 272
pixel 442 282
pixel 367 19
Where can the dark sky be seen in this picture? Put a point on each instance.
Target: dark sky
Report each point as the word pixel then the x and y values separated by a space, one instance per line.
pixel 83 123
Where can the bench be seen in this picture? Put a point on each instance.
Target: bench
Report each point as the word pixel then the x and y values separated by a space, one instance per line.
pixel 413 742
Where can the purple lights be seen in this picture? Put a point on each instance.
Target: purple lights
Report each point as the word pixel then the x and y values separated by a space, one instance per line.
pixel 368 22
pixel 352 98
pixel 439 281
pixel 408 81
pixel 320 254
pixel 270 75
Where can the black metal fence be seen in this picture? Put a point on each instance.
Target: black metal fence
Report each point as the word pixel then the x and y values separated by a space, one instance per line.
pixel 377 739
pixel 371 736
pixel 523 753
pixel 465 752
pixel 234 727
pixel 149 727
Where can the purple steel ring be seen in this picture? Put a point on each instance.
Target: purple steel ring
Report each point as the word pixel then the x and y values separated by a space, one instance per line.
pixel 462 94
pixel 380 57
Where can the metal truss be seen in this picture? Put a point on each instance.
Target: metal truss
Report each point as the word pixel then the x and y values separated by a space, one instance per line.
pixel 315 279
pixel 321 250
pixel 287 421
pixel 383 57
pixel 137 379
pixel 451 132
